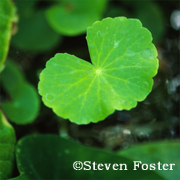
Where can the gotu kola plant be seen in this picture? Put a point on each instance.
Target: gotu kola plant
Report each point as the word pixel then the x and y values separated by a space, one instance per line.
pixel 123 64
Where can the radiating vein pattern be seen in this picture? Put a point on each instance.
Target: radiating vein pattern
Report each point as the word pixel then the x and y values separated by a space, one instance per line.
pixel 123 64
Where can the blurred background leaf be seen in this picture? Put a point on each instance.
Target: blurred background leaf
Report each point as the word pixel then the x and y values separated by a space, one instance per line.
pixel 52 157
pixel 7 148
pixel 72 17
pixel 34 34
pixel 164 152
pixel 6 19
pixel 23 105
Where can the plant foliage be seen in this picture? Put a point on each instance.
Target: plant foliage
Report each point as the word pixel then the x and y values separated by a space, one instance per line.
pixel 123 64
pixel 55 157
pixel 6 18
pixel 34 33
pixel 7 147
pixel 166 152
pixel 24 104
pixel 72 17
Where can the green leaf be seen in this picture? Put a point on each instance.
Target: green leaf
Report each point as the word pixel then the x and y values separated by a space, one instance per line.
pixel 7 146
pixel 24 104
pixel 164 152
pixel 51 157
pixel 124 62
pixel 72 17
pixel 6 16
pixel 34 33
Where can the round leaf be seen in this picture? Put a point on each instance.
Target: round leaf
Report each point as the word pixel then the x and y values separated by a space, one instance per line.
pixel 72 17
pixel 24 105
pixel 124 62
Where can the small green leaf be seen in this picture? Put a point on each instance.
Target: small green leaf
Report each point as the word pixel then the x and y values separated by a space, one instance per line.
pixel 51 157
pixel 124 62
pixel 7 147
pixel 6 16
pixel 72 17
pixel 163 152
pixel 24 104
pixel 34 33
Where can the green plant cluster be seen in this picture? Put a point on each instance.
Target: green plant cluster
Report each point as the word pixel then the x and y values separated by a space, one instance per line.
pixel 119 75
